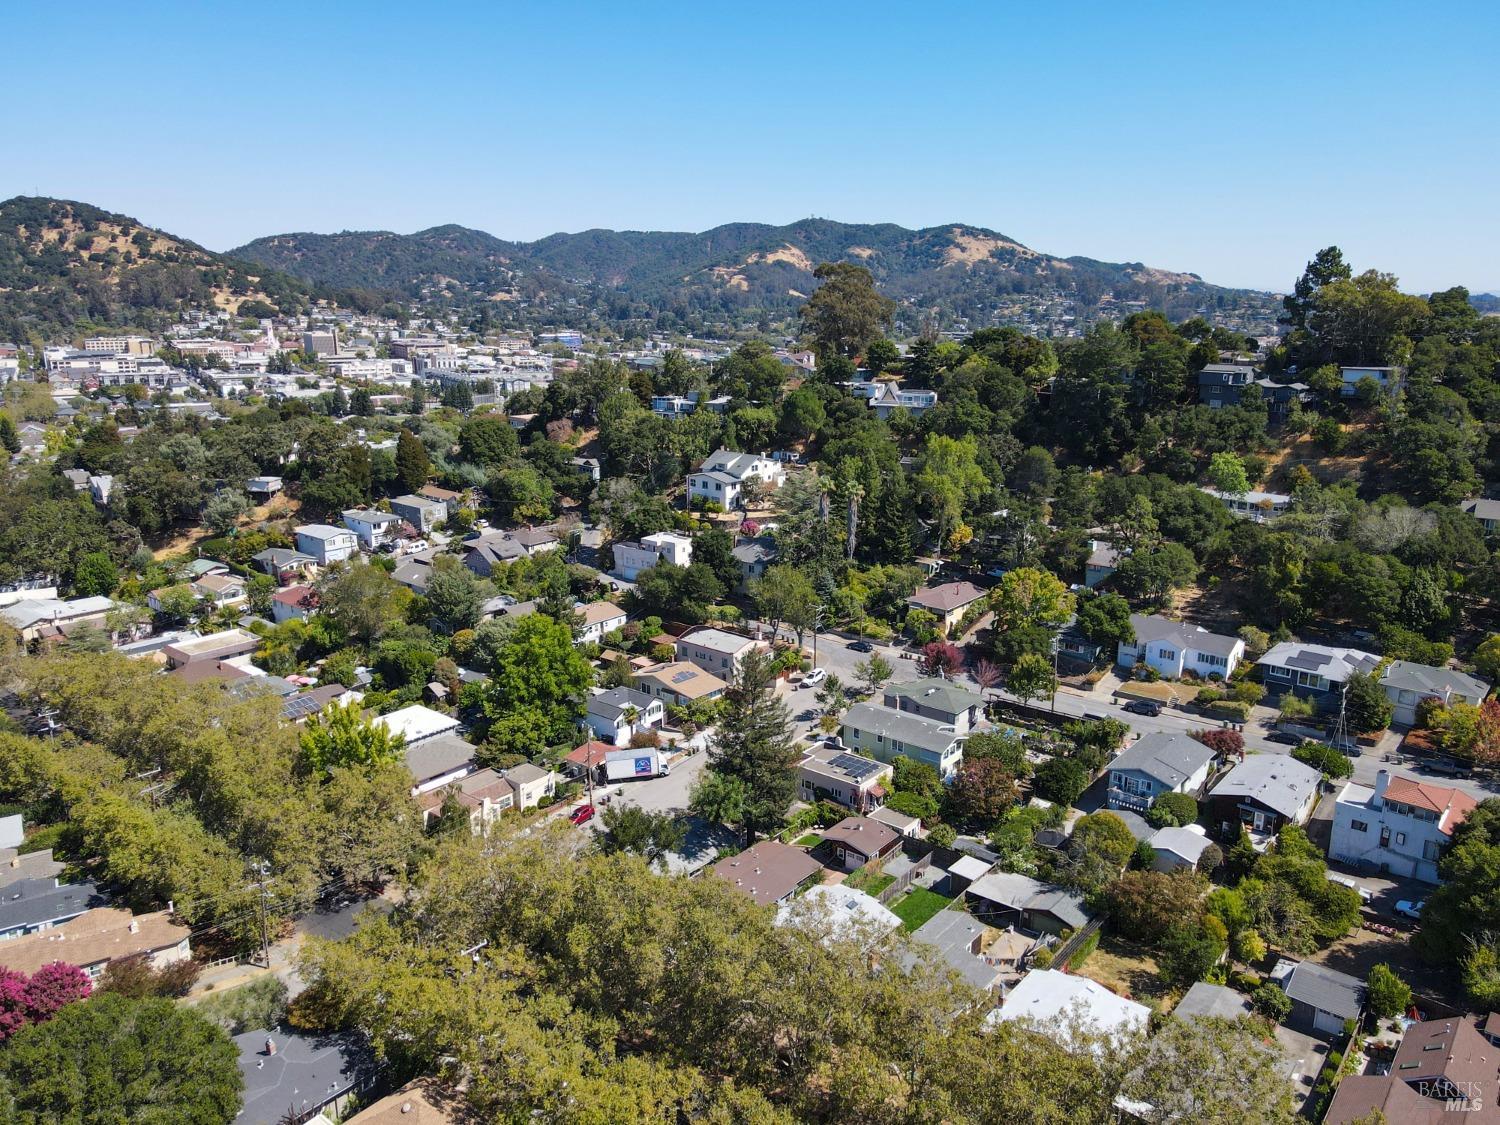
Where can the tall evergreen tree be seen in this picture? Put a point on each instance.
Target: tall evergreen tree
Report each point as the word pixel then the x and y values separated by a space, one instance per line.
pixel 754 744
pixel 412 463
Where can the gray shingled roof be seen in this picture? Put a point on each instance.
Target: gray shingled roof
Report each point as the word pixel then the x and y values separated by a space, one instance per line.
pixel 433 757
pixel 611 704
pixel 1427 680
pixel 1149 627
pixel 1325 989
pixel 900 725
pixel 1278 781
pixel 1168 758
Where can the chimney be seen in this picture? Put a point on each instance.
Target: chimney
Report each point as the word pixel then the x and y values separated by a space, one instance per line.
pixel 1382 780
pixel 270 1045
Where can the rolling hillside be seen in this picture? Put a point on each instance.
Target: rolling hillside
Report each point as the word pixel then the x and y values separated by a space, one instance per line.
pixel 742 269
pixel 67 267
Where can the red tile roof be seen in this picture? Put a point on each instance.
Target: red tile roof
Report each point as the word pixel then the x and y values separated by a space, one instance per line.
pixel 1434 798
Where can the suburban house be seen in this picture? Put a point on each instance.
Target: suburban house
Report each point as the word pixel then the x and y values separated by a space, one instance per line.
pixel 439 761
pixel 283 564
pixel 484 553
pixel 940 700
pixel 1177 849
pixel 1103 560
pixel 715 650
pixel 770 872
pixel 856 840
pixel 1158 763
pixel 1387 378
pixel 224 645
pixel 1442 1069
pixel 835 912
pixel 293 1077
pixel 531 784
pixel 219 589
pixel 293 603
pixel 1002 899
pixel 679 683
pixel 96 937
pixel 29 906
pixel 1407 684
pixel 829 773
pixel 1174 647
pixel 887 734
pixel 597 618
pixel 373 528
pixel 1487 512
pixel 889 398
pixel 754 557
pixel 1224 384
pixel 485 794
pixel 663 546
pixel 948 602
pixel 450 500
pixel 325 543
pixel 722 478
pixel 262 489
pixel 1265 792
pixel 1316 672
pixel 422 513
pixel 1322 998
pixel 1254 505
pixel 962 942
pixel 35 618
pixel 619 713
pixel 1046 996
pixel 1399 827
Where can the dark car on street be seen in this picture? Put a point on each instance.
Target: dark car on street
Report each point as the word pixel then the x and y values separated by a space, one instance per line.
pixel 1143 707
pixel 861 646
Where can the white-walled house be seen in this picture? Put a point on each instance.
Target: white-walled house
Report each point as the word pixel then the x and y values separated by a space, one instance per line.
pixel 723 476
pixel 326 543
pixel 615 715
pixel 663 546
pixel 596 619
pixel 1175 647
pixel 1407 684
pixel 372 527
pixel 1387 378
pixel 715 650
pixel 1400 827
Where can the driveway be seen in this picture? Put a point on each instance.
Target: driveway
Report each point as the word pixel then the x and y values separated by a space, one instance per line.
pixel 669 794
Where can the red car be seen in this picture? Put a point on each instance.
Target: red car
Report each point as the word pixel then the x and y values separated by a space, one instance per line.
pixel 581 815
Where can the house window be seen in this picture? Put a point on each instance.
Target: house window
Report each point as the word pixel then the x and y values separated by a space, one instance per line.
pixel 1279 673
pixel 1359 826
pixel 1385 836
pixel 1400 838
pixel 1167 654
pixel 1430 849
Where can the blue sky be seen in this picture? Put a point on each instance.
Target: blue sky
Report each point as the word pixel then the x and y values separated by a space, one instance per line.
pixel 1232 140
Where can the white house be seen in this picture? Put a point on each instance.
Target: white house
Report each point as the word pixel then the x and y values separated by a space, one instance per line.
pixel 890 398
pixel 421 512
pixel 597 619
pixel 663 546
pixel 1178 849
pixel 887 734
pixel 293 603
pixel 715 650
pixel 1407 684
pixel 1400 827
pixel 1048 1000
pixel 1158 763
pixel 723 476
pixel 326 543
pixel 615 715
pixel 1487 512
pixel 372 527
pixel 1174 647
pixel 1254 505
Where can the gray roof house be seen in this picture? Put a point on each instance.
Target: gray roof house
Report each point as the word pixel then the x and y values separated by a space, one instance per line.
pixel 885 734
pixel 436 761
pixel 1002 898
pixel 1322 998
pixel 935 698
pixel 1177 849
pixel 31 905
pixel 1487 512
pixel 1173 647
pixel 1206 1000
pixel 1314 671
pixel 1158 763
pixel 1265 792
pixel 291 1077
pixel 957 939
pixel 1407 684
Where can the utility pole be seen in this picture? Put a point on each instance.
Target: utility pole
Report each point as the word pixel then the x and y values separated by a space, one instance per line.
pixel 262 869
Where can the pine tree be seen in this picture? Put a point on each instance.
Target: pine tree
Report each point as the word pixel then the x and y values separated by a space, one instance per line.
pixel 10 440
pixel 754 744
pixel 340 405
pixel 412 463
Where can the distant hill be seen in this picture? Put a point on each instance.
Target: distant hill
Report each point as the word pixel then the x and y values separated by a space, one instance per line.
pixel 67 267
pixel 741 271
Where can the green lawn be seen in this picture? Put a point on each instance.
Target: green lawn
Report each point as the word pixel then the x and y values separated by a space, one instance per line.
pixel 871 880
pixel 809 841
pixel 917 907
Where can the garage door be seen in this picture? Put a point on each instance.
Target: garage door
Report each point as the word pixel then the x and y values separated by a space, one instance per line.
pixel 1327 1022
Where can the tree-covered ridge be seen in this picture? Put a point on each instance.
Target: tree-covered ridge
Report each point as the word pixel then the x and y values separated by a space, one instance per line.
pixel 65 265
pixel 740 267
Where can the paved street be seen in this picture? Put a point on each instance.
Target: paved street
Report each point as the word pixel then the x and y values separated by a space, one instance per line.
pixel 658 794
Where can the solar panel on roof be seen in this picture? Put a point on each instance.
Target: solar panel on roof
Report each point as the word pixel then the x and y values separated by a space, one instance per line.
pixel 1307 661
pixel 855 766
pixel 301 706
pixel 683 677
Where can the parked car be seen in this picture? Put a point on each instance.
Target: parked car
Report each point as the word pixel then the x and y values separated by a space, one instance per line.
pixel 861 646
pixel 1143 707
pixel 581 815
pixel 1409 909
pixel 1285 739
pixel 814 678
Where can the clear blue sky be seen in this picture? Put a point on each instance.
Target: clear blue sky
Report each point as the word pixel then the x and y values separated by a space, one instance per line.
pixel 1232 140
